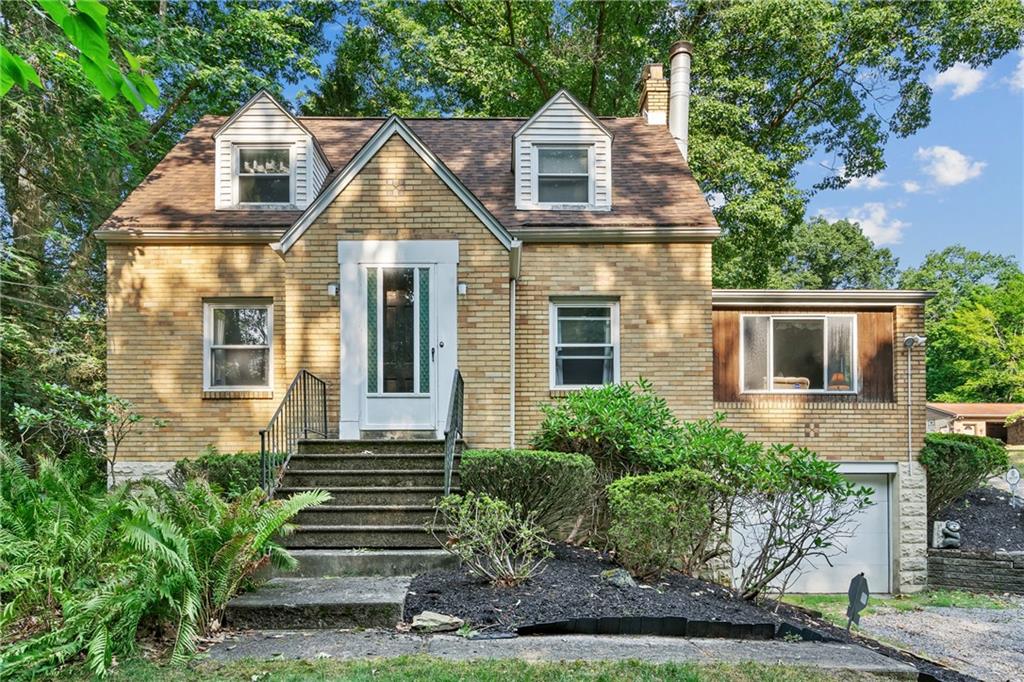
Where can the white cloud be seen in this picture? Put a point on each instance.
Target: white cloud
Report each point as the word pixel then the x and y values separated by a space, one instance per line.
pixel 910 186
pixel 874 220
pixel 947 166
pixel 715 199
pixel 963 79
pixel 1017 79
pixel 868 183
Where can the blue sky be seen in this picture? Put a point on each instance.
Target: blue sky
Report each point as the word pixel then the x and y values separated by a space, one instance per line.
pixel 960 180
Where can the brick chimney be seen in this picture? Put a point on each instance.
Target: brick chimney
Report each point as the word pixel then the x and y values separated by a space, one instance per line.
pixel 654 95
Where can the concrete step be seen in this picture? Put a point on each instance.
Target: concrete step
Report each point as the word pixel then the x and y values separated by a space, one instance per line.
pixel 318 563
pixel 331 478
pixel 381 495
pixel 362 462
pixel 366 515
pixel 350 537
pixel 321 603
pixel 387 446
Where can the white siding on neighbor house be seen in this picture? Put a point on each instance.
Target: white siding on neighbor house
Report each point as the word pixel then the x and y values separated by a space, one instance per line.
pixel 561 121
pixel 264 122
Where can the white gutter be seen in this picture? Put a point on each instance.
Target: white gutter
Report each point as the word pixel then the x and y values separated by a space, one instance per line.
pixel 862 298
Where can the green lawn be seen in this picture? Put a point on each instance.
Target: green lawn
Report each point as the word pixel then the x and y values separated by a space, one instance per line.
pixel 1016 457
pixel 436 670
pixel 833 606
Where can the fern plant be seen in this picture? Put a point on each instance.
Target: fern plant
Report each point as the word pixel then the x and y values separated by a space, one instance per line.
pixel 93 566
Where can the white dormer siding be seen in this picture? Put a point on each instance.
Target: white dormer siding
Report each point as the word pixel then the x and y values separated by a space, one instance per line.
pixel 563 124
pixel 263 124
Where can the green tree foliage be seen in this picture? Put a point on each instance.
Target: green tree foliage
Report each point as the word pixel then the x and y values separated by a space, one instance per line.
pixel 834 255
pixel 954 273
pixel 976 352
pixel 70 155
pixel 774 83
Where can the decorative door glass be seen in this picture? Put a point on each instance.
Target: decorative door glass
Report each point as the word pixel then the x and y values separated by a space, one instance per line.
pixel 398 330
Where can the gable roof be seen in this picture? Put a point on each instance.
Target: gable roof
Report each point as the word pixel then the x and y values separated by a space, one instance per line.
pixel 564 94
pixel 261 95
pixel 654 193
pixel 393 126
pixel 977 410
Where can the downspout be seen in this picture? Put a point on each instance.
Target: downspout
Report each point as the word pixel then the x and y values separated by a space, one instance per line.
pixel 515 260
pixel 909 343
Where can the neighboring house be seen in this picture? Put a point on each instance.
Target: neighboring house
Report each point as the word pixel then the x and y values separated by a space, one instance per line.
pixel 535 256
pixel 977 419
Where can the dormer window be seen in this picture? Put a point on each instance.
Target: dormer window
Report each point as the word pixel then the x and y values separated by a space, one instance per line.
pixel 564 175
pixel 263 176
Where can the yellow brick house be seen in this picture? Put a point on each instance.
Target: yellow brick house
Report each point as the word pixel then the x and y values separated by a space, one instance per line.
pixel 354 280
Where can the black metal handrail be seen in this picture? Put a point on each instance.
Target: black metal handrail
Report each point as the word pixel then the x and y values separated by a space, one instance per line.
pixel 453 428
pixel 302 412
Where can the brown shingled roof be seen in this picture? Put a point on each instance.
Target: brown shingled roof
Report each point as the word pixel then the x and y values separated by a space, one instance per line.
pixel 651 185
pixel 978 410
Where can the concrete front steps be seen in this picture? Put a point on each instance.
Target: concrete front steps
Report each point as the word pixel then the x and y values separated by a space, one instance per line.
pixel 382 493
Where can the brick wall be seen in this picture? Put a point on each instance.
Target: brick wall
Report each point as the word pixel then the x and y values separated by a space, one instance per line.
pixel 664 293
pixel 850 431
pixel 155 299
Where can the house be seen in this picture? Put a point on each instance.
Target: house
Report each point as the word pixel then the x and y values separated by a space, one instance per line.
pixel 365 278
pixel 977 419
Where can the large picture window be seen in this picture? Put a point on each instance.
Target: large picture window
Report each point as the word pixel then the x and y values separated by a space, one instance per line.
pixel 263 175
pixel 563 175
pixel 584 343
pixel 798 354
pixel 238 339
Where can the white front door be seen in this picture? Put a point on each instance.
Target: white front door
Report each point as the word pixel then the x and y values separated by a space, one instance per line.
pixel 398 334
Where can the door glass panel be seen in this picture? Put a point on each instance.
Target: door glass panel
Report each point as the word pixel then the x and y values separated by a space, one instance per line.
pixel 424 301
pixel 371 330
pixel 398 328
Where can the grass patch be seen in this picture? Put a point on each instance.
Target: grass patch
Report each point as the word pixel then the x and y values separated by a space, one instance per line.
pixel 833 606
pixel 1016 455
pixel 426 668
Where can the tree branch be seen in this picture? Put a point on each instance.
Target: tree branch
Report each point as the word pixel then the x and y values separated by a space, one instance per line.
pixel 596 64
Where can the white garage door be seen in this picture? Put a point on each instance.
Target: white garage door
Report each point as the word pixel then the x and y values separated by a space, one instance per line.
pixel 867 551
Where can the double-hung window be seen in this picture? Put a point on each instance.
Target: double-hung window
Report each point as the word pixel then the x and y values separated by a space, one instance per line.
pixel 564 175
pixel 237 340
pixel 798 354
pixel 584 343
pixel 263 175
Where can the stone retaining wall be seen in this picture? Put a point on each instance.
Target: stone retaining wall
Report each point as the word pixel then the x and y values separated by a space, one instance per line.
pixel 980 571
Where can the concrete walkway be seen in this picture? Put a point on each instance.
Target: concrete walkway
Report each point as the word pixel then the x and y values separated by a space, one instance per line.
pixel 309 644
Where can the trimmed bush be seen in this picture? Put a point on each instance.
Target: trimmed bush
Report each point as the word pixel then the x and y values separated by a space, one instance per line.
pixel 625 428
pixel 554 487
pixel 664 520
pixel 231 475
pixel 491 538
pixel 957 463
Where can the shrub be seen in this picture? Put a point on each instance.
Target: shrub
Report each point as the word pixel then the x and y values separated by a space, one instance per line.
pixel 232 475
pixel 795 508
pixel 554 487
pixel 664 520
pixel 493 539
pixel 87 567
pixel 624 428
pixel 957 463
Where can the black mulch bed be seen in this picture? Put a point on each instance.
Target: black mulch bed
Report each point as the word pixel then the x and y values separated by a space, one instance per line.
pixel 987 521
pixel 570 587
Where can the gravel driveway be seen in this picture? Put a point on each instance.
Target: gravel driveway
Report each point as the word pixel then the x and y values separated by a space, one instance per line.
pixel 985 643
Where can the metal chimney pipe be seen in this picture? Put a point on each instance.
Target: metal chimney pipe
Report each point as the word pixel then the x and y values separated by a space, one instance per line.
pixel 679 94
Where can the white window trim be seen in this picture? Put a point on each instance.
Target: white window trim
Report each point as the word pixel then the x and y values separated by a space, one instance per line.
pixel 854 359
pixel 208 345
pixel 236 166
pixel 535 177
pixel 554 304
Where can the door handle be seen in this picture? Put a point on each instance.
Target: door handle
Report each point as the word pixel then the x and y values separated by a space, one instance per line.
pixel 432 354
